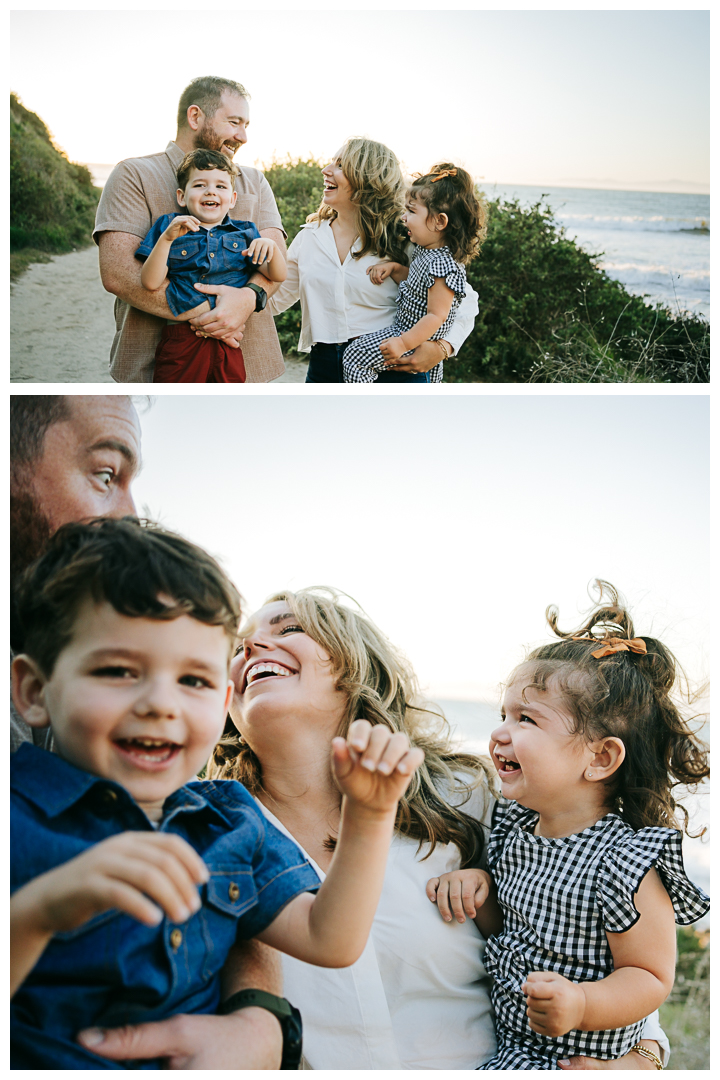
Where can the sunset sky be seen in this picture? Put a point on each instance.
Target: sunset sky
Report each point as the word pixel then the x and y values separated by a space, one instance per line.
pixel 576 98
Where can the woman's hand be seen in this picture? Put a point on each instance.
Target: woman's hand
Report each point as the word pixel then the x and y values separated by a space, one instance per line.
pixel 459 893
pixel 424 358
pixel 374 766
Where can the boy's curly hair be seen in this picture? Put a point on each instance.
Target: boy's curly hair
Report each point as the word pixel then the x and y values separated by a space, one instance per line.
pixel 453 193
pixel 626 695
pixel 136 566
pixel 203 161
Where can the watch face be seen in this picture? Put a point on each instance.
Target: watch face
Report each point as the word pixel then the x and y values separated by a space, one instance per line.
pixel 261 300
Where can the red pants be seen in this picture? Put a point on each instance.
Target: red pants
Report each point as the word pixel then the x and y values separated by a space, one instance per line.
pixel 182 356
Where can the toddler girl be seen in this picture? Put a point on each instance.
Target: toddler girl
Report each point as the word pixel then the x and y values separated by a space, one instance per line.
pixel 585 852
pixel 446 222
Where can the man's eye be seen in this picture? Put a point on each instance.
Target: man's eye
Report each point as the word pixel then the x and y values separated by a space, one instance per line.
pixel 106 476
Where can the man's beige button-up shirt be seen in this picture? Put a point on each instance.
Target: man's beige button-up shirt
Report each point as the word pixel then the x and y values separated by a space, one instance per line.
pixel 136 194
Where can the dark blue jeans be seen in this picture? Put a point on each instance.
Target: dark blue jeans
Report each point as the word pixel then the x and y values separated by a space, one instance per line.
pixel 325 366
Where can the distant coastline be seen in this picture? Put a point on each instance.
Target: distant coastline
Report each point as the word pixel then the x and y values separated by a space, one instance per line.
pixel 100 173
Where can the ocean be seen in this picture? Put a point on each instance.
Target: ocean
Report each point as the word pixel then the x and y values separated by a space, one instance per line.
pixel 656 244
pixel 473 721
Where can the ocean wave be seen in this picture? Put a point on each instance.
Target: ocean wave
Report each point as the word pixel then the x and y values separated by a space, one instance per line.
pixel 644 274
pixel 635 223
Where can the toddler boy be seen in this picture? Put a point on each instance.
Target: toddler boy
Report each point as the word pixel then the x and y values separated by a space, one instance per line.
pixel 208 247
pixel 130 883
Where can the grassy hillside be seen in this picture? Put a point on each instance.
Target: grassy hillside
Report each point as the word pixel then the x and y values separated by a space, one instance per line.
pixel 548 313
pixel 52 200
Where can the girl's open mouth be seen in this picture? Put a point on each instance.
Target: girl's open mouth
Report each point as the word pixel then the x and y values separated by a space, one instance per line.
pixel 506 766
pixel 147 753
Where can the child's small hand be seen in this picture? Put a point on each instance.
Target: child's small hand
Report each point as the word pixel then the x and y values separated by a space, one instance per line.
pixel 380 271
pixel 555 1005
pixel 392 348
pixel 261 250
pixel 142 874
pixel 180 225
pixel 374 766
pixel 459 893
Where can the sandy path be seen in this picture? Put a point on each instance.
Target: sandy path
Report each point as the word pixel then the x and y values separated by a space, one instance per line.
pixel 62 326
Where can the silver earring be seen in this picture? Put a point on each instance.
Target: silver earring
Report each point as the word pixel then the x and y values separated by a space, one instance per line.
pixel 589 772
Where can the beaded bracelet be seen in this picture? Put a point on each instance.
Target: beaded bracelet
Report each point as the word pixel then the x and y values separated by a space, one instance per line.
pixel 644 1052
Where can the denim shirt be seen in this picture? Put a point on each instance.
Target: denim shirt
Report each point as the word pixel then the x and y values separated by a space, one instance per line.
pixel 208 257
pixel 113 970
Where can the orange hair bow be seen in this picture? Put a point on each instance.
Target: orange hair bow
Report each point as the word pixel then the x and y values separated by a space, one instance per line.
pixel 615 644
pixel 442 174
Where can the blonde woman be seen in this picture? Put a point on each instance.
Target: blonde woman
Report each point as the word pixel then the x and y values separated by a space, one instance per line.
pixel 357 222
pixel 418 998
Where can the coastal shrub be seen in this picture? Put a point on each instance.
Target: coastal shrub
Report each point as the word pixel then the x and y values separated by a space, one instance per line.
pixel 548 313
pixel 297 186
pixel 52 200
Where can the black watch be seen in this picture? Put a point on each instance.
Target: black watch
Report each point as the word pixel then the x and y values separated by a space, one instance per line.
pixel 260 302
pixel 287 1014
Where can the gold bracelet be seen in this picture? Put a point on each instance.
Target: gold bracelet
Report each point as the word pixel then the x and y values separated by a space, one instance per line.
pixel 644 1052
pixel 443 346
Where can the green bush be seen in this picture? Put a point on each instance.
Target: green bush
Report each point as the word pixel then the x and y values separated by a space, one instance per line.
pixel 52 200
pixel 548 313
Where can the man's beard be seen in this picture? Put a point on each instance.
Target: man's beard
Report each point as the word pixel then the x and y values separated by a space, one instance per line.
pixel 30 531
pixel 207 138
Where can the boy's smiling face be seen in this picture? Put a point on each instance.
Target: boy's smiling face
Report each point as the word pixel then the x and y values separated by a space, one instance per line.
pixel 139 701
pixel 209 195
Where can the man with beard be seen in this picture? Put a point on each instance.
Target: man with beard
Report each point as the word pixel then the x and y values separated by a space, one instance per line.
pixel 73 458
pixel 70 458
pixel 213 114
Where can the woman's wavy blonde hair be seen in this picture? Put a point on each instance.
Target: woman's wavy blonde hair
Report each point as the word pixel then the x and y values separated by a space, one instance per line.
pixel 378 194
pixel 381 687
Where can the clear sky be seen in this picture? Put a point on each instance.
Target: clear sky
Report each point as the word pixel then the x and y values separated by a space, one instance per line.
pixel 454 521
pixel 588 98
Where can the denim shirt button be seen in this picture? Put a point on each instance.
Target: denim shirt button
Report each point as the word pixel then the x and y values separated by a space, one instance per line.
pixel 183 252
pixel 176 938
pixel 212 254
pixel 234 245
pixel 109 796
pixel 234 891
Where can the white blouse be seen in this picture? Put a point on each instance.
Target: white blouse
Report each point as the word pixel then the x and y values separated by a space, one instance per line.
pixel 419 996
pixel 338 300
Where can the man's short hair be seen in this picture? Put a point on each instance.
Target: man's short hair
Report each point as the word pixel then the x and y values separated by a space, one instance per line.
pixel 30 417
pixel 202 160
pixel 206 92
pixel 137 567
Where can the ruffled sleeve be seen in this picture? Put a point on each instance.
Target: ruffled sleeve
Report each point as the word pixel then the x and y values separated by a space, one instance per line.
pixel 627 863
pixel 442 265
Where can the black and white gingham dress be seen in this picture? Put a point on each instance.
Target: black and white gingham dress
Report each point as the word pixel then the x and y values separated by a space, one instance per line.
pixel 559 897
pixel 362 360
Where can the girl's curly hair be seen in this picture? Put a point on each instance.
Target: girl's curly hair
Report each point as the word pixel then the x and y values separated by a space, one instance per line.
pixel 626 695
pixel 453 194
pixel 380 686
